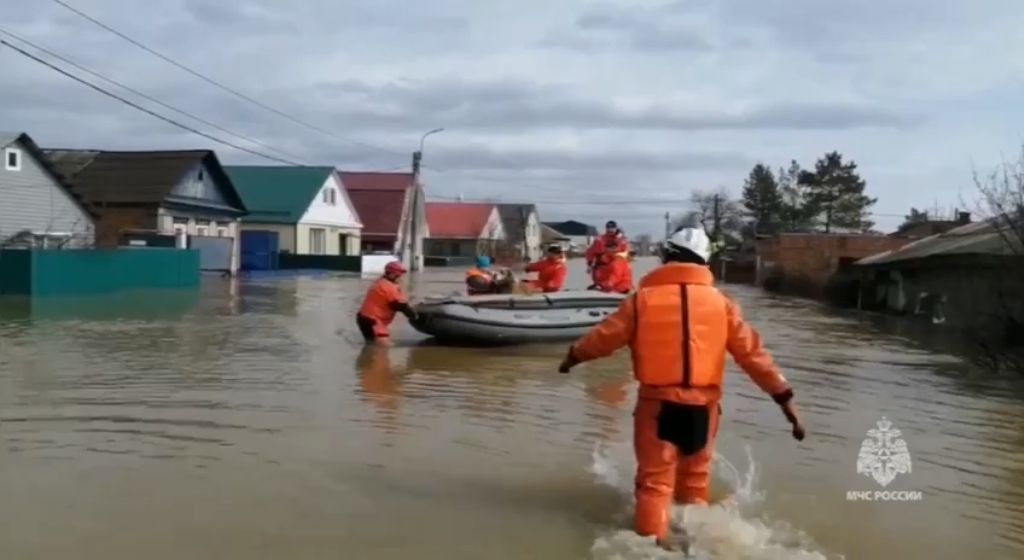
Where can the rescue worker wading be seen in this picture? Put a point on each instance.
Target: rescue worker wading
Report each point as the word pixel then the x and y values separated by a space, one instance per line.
pixel 480 279
pixel 551 271
pixel 678 327
pixel 383 300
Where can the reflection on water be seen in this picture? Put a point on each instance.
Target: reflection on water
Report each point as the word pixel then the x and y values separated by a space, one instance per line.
pixel 248 420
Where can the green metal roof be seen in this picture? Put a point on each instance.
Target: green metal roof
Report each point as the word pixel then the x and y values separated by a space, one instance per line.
pixel 277 194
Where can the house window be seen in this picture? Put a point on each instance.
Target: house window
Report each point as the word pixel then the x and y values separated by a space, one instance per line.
pixel 330 196
pixel 334 197
pixel 202 227
pixel 179 225
pixel 12 159
pixel 200 175
pixel 317 241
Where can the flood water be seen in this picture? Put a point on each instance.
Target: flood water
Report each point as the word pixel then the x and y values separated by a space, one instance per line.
pixel 249 422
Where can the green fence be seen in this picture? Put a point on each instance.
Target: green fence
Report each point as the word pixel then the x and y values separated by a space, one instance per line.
pixel 101 271
pixel 288 261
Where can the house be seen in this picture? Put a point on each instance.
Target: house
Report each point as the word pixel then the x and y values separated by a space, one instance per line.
pixel 962 277
pixel 298 210
pixel 158 198
pixel 459 229
pixel 393 212
pixel 522 229
pixel 37 207
pixel 549 236
pixel 806 263
pixel 580 235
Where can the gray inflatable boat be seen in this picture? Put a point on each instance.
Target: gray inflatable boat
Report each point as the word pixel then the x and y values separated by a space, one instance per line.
pixel 514 319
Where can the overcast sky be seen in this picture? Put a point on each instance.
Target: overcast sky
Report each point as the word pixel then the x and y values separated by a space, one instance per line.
pixel 625 107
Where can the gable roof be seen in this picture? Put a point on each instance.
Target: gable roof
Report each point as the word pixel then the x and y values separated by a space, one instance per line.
pixel 379 199
pixel 514 218
pixel 549 234
pixel 458 220
pixel 6 139
pixel 980 238
pixel 572 227
pixel 376 181
pixel 277 194
pixel 143 177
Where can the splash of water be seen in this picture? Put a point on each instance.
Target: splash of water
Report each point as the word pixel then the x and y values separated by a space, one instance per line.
pixel 729 529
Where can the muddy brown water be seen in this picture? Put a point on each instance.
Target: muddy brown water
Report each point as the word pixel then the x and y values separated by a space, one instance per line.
pixel 249 422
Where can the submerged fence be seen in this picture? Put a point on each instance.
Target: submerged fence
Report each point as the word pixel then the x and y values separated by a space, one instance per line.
pixel 95 271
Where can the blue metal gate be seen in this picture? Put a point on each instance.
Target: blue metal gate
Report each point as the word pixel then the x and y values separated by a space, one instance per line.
pixel 259 250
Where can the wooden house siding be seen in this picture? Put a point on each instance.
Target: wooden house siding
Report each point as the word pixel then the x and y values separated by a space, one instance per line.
pixel 32 199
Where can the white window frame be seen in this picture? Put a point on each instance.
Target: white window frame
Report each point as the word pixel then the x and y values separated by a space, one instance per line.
pixel 17 159
pixel 313 249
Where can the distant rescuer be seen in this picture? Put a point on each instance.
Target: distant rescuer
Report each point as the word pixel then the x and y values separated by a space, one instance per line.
pixel 551 271
pixel 595 253
pixel 678 327
pixel 614 274
pixel 383 300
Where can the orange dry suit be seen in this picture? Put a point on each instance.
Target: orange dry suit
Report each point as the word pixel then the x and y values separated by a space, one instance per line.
pixel 614 274
pixel 383 300
pixel 597 249
pixel 551 273
pixel 479 281
pixel 678 327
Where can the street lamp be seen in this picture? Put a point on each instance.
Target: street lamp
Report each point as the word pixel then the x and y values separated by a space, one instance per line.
pixel 435 131
pixel 417 156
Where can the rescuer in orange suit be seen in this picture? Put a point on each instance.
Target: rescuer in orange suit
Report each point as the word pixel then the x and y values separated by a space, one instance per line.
pixel 595 253
pixel 614 273
pixel 551 271
pixel 679 327
pixel 383 301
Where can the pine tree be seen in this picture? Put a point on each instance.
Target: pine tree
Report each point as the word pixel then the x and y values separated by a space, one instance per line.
pixel 763 200
pixel 797 213
pixel 836 192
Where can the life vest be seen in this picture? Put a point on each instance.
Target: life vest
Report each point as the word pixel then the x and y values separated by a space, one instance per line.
pixel 475 276
pixel 682 328
pixel 377 305
pixel 551 274
pixel 613 274
pixel 595 254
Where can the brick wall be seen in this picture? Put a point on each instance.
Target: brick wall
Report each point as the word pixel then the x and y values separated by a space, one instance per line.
pixel 804 263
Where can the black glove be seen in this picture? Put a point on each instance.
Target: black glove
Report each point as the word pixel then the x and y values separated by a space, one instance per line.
pixel 568 363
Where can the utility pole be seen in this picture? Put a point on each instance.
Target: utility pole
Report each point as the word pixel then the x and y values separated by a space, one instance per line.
pixel 668 226
pixel 415 241
pixel 717 227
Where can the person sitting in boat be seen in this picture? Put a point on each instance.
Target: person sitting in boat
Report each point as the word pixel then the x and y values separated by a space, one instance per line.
pixel 480 278
pixel 595 254
pixel 383 300
pixel 551 271
pixel 614 273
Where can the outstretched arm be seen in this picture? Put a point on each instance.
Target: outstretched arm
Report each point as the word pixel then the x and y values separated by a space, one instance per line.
pixel 746 348
pixel 614 332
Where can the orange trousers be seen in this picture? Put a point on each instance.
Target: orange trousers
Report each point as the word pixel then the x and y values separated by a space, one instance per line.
pixel 662 474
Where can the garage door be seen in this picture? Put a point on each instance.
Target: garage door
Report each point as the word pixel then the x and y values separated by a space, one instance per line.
pixel 214 252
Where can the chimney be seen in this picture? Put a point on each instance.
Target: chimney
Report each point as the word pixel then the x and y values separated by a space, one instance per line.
pixel 963 217
pixel 460 197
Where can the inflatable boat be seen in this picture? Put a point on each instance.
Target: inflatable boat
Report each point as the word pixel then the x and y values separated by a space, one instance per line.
pixel 514 319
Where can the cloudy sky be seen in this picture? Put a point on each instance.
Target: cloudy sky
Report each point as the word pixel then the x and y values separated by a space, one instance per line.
pixel 595 110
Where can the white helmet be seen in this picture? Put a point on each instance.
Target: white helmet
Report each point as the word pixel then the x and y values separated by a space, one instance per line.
pixel 691 239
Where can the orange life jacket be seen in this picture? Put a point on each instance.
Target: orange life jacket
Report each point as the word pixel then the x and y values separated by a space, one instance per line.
pixel 682 328
pixel 551 274
pixel 378 304
pixel 475 276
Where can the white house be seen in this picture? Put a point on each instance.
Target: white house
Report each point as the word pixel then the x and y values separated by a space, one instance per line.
pixel 37 207
pixel 522 228
pixel 300 210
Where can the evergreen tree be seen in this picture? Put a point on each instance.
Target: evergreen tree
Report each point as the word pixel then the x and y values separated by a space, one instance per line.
pixel 797 212
pixel 836 192
pixel 763 200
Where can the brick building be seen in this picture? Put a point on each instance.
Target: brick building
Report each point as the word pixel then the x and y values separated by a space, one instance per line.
pixel 808 263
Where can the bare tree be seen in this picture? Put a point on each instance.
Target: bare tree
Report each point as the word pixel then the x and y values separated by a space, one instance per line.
pixel 1002 204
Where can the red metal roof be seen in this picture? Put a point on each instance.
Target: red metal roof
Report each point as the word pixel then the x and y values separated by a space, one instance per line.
pixel 381 211
pixel 379 199
pixel 375 181
pixel 457 220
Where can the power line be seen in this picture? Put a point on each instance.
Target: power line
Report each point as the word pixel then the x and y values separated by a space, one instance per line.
pixel 217 84
pixel 143 109
pixel 145 96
